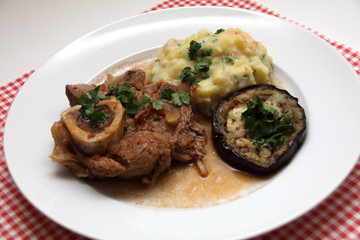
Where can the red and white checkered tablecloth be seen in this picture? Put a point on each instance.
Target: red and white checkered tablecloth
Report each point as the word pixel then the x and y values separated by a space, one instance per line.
pixel 337 217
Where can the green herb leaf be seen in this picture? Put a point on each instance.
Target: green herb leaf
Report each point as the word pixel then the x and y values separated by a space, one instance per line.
pixel 114 90
pixel 187 75
pixel 126 96
pixel 130 101
pixel 228 59
pixel 157 104
pixel 88 106
pixel 219 31
pixel 125 86
pixel 166 94
pixel 122 92
pixel 98 117
pixel 193 49
pixel 134 107
pixel 185 97
pixel 206 52
pixel 96 96
pixel 178 99
pixel 203 64
pixel 264 128
pixel 213 38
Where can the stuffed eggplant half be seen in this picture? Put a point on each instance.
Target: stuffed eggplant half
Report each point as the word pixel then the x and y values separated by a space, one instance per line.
pixel 258 129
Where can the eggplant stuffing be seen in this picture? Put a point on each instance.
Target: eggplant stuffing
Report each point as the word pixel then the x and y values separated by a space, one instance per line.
pixel 258 129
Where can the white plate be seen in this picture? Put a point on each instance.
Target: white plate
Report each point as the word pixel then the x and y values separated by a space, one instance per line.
pixel 312 70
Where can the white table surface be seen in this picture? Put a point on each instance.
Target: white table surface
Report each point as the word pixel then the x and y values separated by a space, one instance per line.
pixel 32 31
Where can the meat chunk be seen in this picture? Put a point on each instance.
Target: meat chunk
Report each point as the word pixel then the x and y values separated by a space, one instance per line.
pixel 144 153
pixel 135 77
pixel 73 92
pixel 141 154
pixel 65 150
pixel 151 139
pixel 102 166
pixel 149 120
pixel 189 140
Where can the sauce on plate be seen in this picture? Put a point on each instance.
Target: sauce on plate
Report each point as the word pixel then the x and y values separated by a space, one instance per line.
pixel 182 186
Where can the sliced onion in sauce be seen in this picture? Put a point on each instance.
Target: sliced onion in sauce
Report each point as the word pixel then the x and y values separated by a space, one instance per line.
pixel 172 113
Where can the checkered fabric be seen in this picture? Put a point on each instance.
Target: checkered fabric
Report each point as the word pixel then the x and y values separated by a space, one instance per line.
pixel 337 217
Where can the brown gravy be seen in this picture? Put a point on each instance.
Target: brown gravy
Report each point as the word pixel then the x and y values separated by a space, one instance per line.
pixel 182 186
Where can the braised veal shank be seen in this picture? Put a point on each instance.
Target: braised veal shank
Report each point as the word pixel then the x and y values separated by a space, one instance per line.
pixel 141 145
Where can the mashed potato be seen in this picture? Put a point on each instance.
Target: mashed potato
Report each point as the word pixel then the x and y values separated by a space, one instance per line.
pixel 223 62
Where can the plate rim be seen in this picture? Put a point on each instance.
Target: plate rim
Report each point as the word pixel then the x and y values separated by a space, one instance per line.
pixel 29 81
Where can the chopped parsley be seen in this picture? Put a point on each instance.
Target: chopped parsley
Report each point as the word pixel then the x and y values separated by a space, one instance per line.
pixel 187 75
pixel 264 128
pixel 179 99
pixel 213 38
pixel 203 64
pixel 206 52
pixel 128 98
pixel 228 59
pixel 166 94
pixel 193 49
pixel 157 104
pixel 89 111
pixel 176 99
pixel 201 67
pixel 134 106
pixel 122 92
pixel 220 30
pixel 184 97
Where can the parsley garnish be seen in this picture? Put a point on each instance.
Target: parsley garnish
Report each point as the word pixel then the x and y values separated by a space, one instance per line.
pixel 206 52
pixel 134 106
pixel 213 38
pixel 228 59
pixel 185 97
pixel 166 94
pixel 122 92
pixel 178 99
pixel 264 128
pixel 88 108
pixel 202 65
pixel 128 98
pixel 187 75
pixel 220 30
pixel 157 104
pixel 193 49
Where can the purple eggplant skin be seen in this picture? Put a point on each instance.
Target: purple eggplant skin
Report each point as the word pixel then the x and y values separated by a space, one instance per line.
pixel 241 163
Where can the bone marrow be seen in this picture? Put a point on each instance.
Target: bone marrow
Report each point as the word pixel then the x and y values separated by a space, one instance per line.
pixel 95 140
